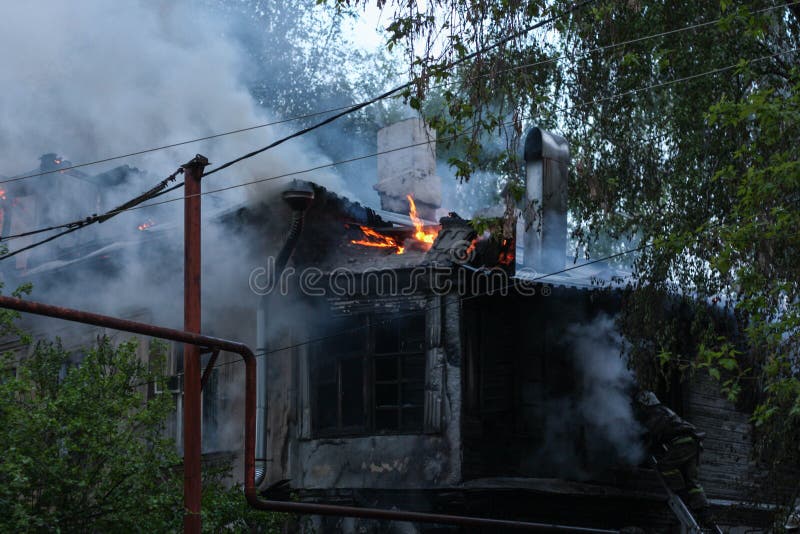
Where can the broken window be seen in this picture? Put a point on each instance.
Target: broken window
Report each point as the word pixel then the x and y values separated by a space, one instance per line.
pixel 371 379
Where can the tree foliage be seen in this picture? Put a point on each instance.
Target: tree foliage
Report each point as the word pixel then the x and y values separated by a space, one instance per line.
pixel 84 450
pixel 301 61
pixel 683 123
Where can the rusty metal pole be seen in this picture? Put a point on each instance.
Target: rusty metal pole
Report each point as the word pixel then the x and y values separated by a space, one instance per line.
pixel 192 489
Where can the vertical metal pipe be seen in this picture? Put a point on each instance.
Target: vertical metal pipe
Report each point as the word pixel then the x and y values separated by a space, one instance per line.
pixel 192 489
pixel 299 195
pixel 261 390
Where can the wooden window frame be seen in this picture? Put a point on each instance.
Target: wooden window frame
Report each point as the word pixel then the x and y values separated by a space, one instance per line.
pixel 368 356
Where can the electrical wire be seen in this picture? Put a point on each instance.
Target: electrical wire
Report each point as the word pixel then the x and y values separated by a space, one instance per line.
pixel 469 130
pixel 399 88
pixel 72 226
pixel 265 352
pixel 347 110
pixel 539 278
pixel 173 145
pixel 331 110
pixel 75 225
pixel 616 45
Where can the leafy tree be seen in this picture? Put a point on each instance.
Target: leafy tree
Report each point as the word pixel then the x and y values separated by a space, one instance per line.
pixel 683 141
pixel 84 450
pixel 301 61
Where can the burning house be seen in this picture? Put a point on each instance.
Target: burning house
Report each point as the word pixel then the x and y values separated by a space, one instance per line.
pixel 421 365
pixel 407 360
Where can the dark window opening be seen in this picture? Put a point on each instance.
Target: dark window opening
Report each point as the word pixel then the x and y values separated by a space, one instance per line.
pixel 372 379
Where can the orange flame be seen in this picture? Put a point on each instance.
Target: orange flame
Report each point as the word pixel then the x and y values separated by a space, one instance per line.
pixel 507 252
pixel 471 247
pixel 374 239
pixel 145 225
pixel 425 236
pixel 420 232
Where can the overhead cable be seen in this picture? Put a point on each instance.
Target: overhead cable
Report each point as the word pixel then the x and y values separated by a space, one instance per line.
pixel 371 155
pixel 331 110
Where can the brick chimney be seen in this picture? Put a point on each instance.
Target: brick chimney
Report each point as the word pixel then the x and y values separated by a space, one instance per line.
pixel 409 171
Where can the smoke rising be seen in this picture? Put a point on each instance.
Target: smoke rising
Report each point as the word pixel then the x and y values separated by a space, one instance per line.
pixel 593 428
pixel 91 79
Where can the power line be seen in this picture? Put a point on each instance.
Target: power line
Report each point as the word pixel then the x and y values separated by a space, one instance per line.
pixel 347 110
pixel 172 145
pixel 260 352
pixel 513 281
pixel 331 110
pixel 620 44
pixel 454 136
pixel 72 226
pixel 399 88
pixel 152 193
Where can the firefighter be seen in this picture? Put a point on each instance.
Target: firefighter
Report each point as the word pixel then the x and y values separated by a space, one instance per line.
pixel 793 521
pixel 675 443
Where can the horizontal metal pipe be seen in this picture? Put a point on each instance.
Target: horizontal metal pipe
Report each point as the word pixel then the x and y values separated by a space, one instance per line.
pixel 418 517
pixel 106 321
pixel 251 495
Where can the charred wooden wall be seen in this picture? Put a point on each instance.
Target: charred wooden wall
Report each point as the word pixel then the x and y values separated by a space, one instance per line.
pixel 741 490
pixel 514 365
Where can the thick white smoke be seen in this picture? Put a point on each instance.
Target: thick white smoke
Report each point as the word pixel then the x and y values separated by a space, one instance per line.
pixel 593 428
pixel 90 79
pixel 606 385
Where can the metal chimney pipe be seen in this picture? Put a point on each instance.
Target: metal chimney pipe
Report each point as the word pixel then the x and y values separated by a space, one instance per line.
pixel 544 232
pixel 299 196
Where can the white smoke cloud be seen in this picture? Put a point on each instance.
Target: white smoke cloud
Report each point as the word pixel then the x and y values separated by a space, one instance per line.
pixel 90 79
pixel 592 428
pixel 606 384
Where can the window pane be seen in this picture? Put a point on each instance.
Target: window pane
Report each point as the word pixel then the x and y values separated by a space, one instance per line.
pixel 352 392
pixel 414 368
pixel 412 335
pixel 386 419
pixel 387 335
pixel 348 336
pixel 326 405
pixel 399 333
pixel 413 394
pixel 412 418
pixel 386 395
pixel 385 369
